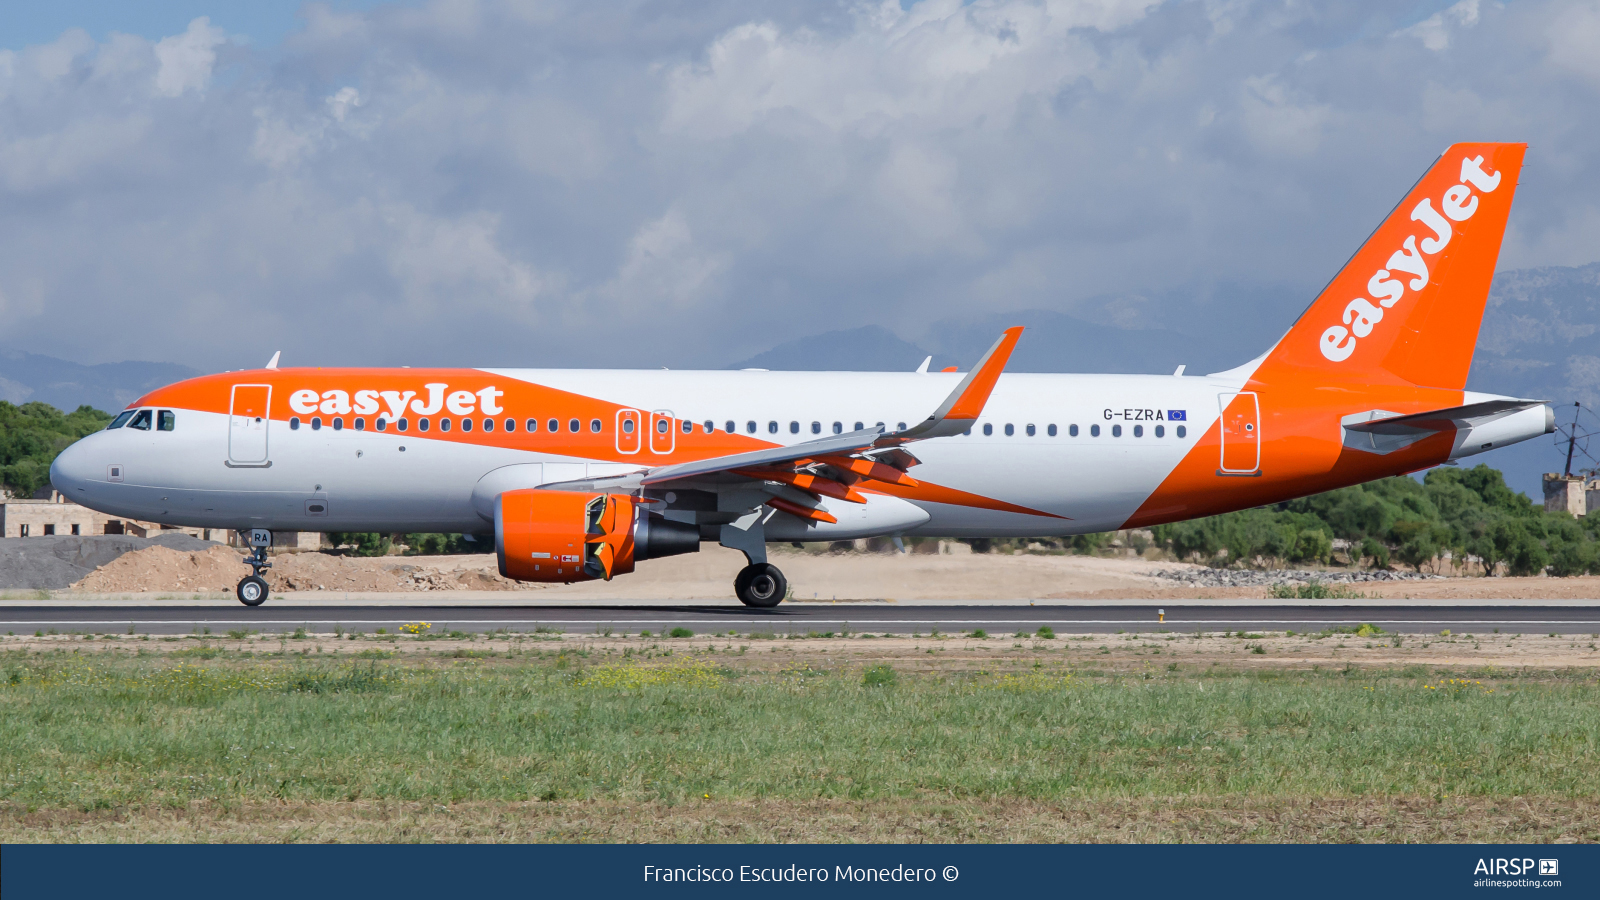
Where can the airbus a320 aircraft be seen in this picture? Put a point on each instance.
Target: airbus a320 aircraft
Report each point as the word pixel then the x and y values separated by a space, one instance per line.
pixel 579 475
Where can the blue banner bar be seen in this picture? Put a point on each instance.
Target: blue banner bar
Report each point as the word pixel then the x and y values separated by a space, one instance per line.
pixel 244 872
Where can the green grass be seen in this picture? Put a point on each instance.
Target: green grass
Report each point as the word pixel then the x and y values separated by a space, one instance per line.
pixel 109 733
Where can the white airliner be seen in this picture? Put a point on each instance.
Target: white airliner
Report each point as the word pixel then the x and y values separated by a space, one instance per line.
pixel 579 474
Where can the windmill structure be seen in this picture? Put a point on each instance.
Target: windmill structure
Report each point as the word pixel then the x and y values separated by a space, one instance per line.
pixel 1576 488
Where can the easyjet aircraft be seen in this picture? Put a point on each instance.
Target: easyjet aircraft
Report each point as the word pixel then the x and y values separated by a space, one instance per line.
pixel 578 475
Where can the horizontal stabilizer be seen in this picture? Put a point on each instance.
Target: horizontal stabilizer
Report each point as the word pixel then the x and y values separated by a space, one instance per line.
pixel 1442 419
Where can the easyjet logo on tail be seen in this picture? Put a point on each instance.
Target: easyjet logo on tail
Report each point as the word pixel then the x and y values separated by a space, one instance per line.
pixel 366 403
pixel 1408 267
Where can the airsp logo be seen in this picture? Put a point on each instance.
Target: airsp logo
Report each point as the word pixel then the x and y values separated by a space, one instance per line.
pixel 1388 285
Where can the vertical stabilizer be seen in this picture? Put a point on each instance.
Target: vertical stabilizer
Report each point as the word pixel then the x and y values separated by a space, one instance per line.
pixel 1409 303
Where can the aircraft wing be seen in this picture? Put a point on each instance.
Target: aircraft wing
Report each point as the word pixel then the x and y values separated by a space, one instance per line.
pixel 833 465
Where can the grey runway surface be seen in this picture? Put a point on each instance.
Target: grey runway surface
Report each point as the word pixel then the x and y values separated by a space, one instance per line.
pixel 806 617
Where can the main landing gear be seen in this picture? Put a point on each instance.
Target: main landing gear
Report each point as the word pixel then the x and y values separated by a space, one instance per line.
pixel 761 585
pixel 252 588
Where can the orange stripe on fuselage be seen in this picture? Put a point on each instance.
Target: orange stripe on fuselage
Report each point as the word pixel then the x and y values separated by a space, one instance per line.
pixel 520 400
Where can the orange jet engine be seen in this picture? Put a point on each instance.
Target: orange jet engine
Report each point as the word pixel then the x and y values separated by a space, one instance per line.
pixel 567 536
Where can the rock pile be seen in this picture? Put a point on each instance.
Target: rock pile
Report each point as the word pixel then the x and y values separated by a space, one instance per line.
pixel 1218 578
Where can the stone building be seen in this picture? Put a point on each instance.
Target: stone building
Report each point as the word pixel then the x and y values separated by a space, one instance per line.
pixel 49 513
pixel 1571 493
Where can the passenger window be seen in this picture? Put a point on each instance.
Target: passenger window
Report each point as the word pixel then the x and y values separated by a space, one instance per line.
pixel 838 428
pixel 552 426
pixel 361 424
pixel 166 420
pixel 901 426
pixel 316 423
pixel 794 427
pixel 488 424
pixel 424 424
pixel 860 426
pixel 141 420
pixel 1051 431
pixel 1161 431
pixel 121 419
pixel 1094 431
pixel 1010 429
pixel 294 423
pixel 1138 431
pixel 988 429
pixel 1031 431
pixel 661 426
pixel 511 424
pixel 594 426
pixel 1072 430
pixel 730 429
pixel 338 423
pixel 383 424
pixel 750 427
pixel 466 424
pixel 627 426
pixel 401 424
pixel 444 423
pixel 1182 431
pixel 688 427
pixel 531 425
pixel 573 425
pixel 772 428
pixel 1116 431
pixel 710 426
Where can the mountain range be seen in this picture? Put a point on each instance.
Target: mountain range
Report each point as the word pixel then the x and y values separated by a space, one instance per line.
pixel 1540 339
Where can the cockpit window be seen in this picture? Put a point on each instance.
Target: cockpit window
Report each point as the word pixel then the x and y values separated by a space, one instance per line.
pixel 121 419
pixel 141 420
pixel 166 420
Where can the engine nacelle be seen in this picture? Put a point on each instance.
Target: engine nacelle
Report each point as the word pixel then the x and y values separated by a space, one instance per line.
pixel 567 536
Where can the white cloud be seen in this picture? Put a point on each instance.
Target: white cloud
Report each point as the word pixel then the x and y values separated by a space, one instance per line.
pixel 1434 31
pixel 479 182
pixel 186 59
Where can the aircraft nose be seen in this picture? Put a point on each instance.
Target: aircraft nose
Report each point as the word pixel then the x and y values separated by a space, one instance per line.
pixel 73 469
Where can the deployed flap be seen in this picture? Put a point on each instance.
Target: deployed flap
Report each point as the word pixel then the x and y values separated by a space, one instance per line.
pixel 1443 419
pixel 965 404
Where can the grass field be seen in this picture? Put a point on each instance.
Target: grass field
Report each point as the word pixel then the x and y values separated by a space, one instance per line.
pixel 543 741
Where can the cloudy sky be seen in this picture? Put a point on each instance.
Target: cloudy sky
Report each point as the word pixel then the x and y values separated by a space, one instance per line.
pixel 687 183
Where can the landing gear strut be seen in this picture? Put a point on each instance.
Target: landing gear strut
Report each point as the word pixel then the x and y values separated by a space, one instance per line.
pixel 761 585
pixel 252 588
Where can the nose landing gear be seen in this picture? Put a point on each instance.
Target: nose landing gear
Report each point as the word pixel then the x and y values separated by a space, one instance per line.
pixel 252 588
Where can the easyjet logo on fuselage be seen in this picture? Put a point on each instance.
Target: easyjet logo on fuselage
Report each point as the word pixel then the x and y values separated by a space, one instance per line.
pixel 1361 315
pixel 397 403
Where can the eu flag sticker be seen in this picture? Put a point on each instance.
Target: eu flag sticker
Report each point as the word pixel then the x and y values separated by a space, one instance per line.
pixel 1177 415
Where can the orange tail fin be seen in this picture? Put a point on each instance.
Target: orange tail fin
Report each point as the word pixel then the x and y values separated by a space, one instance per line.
pixel 1409 303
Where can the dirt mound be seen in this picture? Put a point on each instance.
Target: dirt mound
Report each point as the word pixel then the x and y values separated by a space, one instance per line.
pixel 219 569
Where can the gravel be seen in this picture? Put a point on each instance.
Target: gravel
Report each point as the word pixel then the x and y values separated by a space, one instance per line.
pixel 51 563
pixel 1267 578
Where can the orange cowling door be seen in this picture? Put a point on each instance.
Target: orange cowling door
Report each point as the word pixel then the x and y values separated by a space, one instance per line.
pixel 564 536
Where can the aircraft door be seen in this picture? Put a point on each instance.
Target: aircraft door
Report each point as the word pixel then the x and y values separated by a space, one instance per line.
pixel 628 438
pixel 663 436
pixel 1241 433
pixel 249 414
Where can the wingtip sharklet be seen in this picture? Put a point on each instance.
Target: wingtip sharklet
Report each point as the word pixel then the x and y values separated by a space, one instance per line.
pixel 965 404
